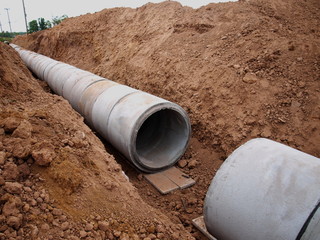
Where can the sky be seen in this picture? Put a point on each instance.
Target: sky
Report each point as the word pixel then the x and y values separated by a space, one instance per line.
pixel 51 8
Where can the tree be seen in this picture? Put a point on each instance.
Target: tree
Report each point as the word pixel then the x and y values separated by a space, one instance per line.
pixel 49 25
pixel 56 20
pixel 43 24
pixel 33 26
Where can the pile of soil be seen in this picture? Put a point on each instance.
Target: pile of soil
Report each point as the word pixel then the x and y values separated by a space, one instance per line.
pixel 241 70
pixel 56 179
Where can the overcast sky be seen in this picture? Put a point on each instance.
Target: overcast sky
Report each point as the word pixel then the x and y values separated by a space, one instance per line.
pixel 51 8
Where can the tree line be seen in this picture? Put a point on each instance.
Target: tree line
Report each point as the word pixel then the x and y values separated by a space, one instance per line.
pixel 42 24
pixel 33 26
pixel 10 35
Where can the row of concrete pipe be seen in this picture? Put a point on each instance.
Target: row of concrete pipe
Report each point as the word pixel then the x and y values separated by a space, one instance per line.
pixel 151 132
pixel 263 191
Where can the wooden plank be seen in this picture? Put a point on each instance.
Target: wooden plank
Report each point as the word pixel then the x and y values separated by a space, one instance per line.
pixel 200 225
pixel 179 178
pixel 161 182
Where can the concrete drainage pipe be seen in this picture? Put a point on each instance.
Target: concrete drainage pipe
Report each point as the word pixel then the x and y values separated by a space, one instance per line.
pixel 265 190
pixel 151 132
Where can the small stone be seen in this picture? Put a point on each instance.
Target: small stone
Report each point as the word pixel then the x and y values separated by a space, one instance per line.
pixel 10 171
pixel 103 226
pixel 45 227
pixel 35 211
pixel 63 218
pixel 160 235
pixel 34 231
pixel 236 66
pixel 10 124
pixel 116 233
pixel 26 207
pixel 83 234
pixel 176 236
pixel 65 226
pixel 110 235
pixel 135 237
pixel 14 222
pixel 3 228
pixel 124 236
pixel 182 163
pixel 23 130
pixel 151 229
pixel 192 163
pixel 55 223
pixel 28 183
pixel 20 148
pixel 152 236
pixel 189 210
pixel 13 187
pixel 11 207
pixel 88 227
pixel 33 202
pixel 299 59
pixel 2 157
pixel 250 78
pixel 44 156
pixel 43 206
pixel 46 198
pixel 57 212
pixel 266 133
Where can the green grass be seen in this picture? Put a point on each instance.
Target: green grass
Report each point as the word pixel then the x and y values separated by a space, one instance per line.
pixel 2 39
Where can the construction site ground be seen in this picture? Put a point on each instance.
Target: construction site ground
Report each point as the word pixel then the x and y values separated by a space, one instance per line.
pixel 241 70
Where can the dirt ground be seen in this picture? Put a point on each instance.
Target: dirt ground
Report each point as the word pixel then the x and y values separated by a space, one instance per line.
pixel 241 70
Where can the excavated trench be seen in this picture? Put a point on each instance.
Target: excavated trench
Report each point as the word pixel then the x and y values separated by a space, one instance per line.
pixel 181 206
pixel 241 70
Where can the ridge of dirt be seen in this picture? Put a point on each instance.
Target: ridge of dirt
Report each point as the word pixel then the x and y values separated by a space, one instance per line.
pixel 56 179
pixel 241 70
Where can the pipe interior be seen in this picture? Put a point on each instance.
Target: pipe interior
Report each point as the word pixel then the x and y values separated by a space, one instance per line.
pixel 162 138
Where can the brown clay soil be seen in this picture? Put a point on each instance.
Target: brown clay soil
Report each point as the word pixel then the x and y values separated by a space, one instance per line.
pixel 241 70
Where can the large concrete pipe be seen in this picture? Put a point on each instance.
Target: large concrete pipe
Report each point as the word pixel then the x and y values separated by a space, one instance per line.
pixel 265 190
pixel 151 132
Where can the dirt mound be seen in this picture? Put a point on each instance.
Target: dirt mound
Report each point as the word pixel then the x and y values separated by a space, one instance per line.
pixel 241 70
pixel 56 179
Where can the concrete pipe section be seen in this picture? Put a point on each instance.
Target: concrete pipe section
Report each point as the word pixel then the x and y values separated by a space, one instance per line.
pixel 265 191
pixel 149 131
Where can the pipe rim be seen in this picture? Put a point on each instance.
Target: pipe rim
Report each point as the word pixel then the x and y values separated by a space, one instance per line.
pixel 184 141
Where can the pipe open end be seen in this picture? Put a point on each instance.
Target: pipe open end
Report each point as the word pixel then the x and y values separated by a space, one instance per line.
pixel 162 139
